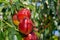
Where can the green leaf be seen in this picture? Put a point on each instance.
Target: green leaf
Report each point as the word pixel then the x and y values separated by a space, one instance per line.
pixel 31 7
pixel 19 37
pixel 1 35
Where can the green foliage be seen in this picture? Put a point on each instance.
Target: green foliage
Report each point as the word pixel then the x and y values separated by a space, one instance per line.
pixel 41 16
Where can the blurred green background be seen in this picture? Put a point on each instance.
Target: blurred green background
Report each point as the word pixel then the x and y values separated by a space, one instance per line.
pixel 44 13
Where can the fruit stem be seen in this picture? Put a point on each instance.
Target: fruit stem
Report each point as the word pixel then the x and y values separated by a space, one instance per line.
pixel 7 23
